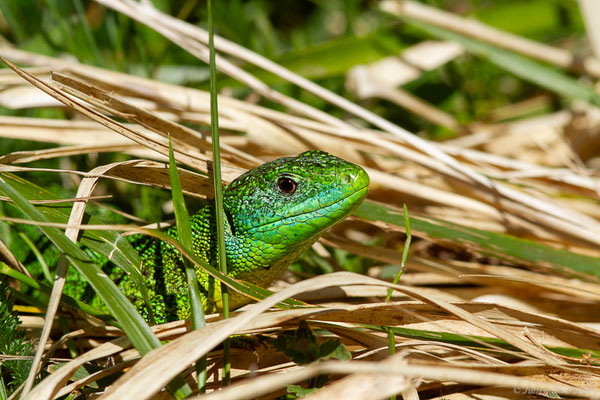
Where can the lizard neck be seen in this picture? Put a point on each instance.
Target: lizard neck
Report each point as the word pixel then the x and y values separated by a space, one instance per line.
pixel 260 258
pixel 260 262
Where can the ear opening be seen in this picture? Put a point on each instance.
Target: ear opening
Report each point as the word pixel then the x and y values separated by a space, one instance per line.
pixel 230 221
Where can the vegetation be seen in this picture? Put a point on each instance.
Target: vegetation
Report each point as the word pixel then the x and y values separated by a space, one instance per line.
pixel 480 116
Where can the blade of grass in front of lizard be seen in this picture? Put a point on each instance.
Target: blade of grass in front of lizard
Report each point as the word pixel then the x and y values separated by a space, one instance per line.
pixel 273 213
pixel 185 233
pixel 218 201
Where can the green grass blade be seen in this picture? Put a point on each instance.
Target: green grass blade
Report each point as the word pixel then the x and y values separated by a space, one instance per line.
pixel 71 302
pixel 543 17
pixel 184 233
pixel 89 37
pixel 38 255
pixel 106 243
pixel 218 187
pixel 525 68
pixel 214 126
pixel 391 345
pixel 390 333
pixel 16 27
pixel 115 36
pixel 3 391
pixel 129 319
pixel 132 323
pixel 490 243
pixel 62 26
pixel 404 252
pixel 329 59
pixel 476 342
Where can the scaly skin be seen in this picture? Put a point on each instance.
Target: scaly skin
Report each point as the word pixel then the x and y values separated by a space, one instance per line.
pixel 270 222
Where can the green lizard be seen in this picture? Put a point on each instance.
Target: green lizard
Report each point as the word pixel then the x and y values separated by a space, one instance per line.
pixel 273 213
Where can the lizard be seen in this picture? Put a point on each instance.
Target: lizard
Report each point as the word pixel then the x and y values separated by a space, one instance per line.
pixel 273 213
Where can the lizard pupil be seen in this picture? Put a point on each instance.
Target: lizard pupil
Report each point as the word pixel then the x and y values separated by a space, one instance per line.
pixel 286 185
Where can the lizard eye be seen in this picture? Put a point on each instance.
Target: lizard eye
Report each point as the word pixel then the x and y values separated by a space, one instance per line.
pixel 286 185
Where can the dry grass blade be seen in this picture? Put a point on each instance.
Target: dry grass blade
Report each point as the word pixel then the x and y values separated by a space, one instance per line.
pixel 469 320
pixel 123 109
pixel 590 13
pixel 182 135
pixel 52 384
pixel 562 220
pixel 157 174
pixel 70 132
pixel 145 13
pixel 187 36
pixel 190 157
pixel 72 232
pixel 152 372
pixel 22 157
pixel 91 378
pixel 382 78
pixel 8 257
pixel 478 30
pixel 266 384
pixel 82 108
pixel 543 210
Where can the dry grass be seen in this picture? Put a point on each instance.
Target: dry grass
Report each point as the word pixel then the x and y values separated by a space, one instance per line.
pixel 529 179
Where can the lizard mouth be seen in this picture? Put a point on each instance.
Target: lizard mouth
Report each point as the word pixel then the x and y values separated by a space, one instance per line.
pixel 353 199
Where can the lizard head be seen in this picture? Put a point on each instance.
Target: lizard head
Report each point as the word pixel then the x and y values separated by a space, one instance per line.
pixel 282 207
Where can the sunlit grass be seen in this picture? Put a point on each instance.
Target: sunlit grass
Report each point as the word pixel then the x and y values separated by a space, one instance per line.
pixel 488 256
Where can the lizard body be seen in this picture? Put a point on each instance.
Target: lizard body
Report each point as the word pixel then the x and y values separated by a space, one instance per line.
pixel 273 213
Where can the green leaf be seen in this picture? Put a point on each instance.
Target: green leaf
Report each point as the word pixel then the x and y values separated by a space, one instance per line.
pixel 334 349
pixel 490 243
pixel 218 186
pixel 38 255
pixel 302 347
pixel 82 372
pixel 299 391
